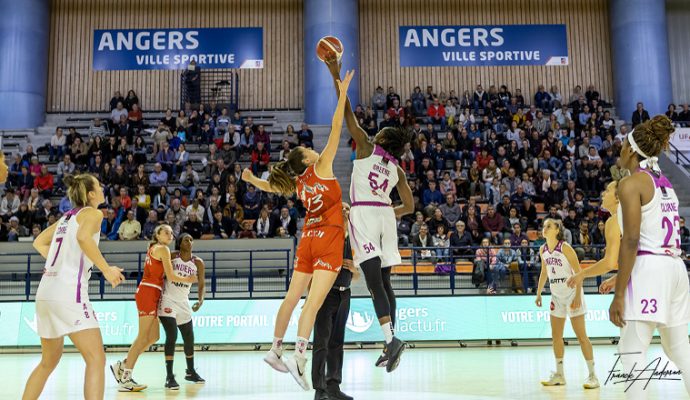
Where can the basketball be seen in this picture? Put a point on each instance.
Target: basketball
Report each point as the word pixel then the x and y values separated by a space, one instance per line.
pixel 328 48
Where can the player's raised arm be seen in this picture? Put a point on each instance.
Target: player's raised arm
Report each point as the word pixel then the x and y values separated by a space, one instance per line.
pixel 359 135
pixel 324 167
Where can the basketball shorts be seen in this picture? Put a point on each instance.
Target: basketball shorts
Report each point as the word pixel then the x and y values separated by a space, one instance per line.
pixel 147 298
pixel 175 308
pixel 560 305
pixel 320 248
pixel 658 291
pixel 55 319
pixel 374 233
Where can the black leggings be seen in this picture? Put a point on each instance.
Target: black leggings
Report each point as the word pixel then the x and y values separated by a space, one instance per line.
pixel 379 284
pixel 170 326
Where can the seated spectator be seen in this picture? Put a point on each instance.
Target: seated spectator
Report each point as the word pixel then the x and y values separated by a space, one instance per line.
pixel 15 230
pixel 423 240
pixel 193 226
pixel 135 118
pixel 507 261
pixel 285 221
pixel 437 114
pixel 450 210
pixel 528 261
pixel 129 229
pixel 246 140
pixel 44 182
pixel 262 225
pixel 640 115
pixel 378 100
pixel 418 101
pixel 252 202
pixel 177 211
pixel 117 98
pixel 517 236
pixel 436 220
pixel 158 177
pixel 233 210
pixel 111 225
pixel 582 242
pixel 247 232
pixel 25 182
pixel 174 223
pixel 306 136
pixel 442 243
pixel 403 230
pixel 493 225
pixel 260 159
pixel 479 99
pixel 684 115
pixel 57 145
pixel 9 205
pixel 461 238
pixel 196 207
pixel 150 225
pixel 432 197
pixel 542 99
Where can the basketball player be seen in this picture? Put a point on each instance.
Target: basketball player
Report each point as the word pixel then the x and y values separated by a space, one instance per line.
pixel 4 170
pixel 175 313
pixel 319 255
pixel 612 231
pixel 558 263
pixel 372 218
pixel 329 329
pixel 157 266
pixel 70 247
pixel 652 290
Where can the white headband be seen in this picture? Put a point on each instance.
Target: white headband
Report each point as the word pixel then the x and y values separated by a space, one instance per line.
pixel 649 162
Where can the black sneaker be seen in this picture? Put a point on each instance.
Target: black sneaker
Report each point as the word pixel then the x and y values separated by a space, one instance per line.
pixel 334 393
pixel 382 361
pixel 171 383
pixel 321 394
pixel 192 376
pixel 394 350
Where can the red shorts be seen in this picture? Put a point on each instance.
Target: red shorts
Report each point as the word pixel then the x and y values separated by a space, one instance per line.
pixel 147 298
pixel 320 249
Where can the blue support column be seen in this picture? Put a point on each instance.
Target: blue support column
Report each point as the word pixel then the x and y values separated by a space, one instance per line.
pixel 641 64
pixel 339 18
pixel 24 38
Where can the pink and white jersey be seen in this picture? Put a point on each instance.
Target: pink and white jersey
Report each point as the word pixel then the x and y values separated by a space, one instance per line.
pixel 67 269
pixel 373 179
pixel 558 268
pixel 179 291
pixel 660 222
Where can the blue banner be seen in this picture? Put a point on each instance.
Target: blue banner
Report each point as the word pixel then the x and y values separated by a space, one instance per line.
pixel 485 45
pixel 417 319
pixel 142 49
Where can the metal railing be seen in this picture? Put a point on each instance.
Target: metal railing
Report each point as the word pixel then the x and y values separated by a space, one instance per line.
pixel 681 159
pixel 219 86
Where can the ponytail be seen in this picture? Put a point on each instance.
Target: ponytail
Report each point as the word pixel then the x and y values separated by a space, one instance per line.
pixel 78 188
pixel 283 174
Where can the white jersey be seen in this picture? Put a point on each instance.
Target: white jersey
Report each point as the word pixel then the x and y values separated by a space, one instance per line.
pixel 659 222
pixel 558 269
pixel 67 269
pixel 373 178
pixel 179 291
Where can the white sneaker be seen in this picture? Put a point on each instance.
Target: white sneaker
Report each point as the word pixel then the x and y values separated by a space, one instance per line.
pixel 591 382
pixel 555 379
pixel 129 385
pixel 297 367
pixel 274 360
pixel 117 370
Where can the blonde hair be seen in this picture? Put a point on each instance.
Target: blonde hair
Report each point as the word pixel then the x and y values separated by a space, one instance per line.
pixel 283 174
pixel 156 232
pixel 78 188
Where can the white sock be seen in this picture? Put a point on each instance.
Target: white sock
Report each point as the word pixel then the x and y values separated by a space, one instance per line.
pixel 387 332
pixel 277 346
pixel 301 347
pixel 590 366
pixel 126 374
pixel 559 366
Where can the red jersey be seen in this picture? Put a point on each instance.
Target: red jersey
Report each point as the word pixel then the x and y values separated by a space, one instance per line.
pixel 322 198
pixel 153 271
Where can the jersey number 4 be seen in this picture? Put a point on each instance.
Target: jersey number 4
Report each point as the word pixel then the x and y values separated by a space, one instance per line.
pixel 373 182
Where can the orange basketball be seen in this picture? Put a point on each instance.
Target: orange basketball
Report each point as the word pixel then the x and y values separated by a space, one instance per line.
pixel 328 48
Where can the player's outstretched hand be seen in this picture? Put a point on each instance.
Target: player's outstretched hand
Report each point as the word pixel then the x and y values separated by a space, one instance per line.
pixel 247 174
pixel 616 311
pixel 537 301
pixel 607 285
pixel 113 275
pixel 345 83
pixel 333 65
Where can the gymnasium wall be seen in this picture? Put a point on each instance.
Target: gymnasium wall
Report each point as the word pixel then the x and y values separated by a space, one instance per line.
pixel 678 15
pixel 74 86
pixel 588 44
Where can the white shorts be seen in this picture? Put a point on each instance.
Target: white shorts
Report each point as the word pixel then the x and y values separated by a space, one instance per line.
pixel 55 319
pixel 373 233
pixel 560 306
pixel 178 309
pixel 658 291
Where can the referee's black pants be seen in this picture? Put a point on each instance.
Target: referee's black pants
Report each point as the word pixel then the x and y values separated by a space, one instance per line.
pixel 329 337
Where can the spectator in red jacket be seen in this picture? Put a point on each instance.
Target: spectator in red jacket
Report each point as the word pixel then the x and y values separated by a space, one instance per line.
pixel 260 159
pixel 44 182
pixel 395 111
pixel 437 114
pixel 493 225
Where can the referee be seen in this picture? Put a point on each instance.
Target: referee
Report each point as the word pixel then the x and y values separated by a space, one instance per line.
pixel 329 330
